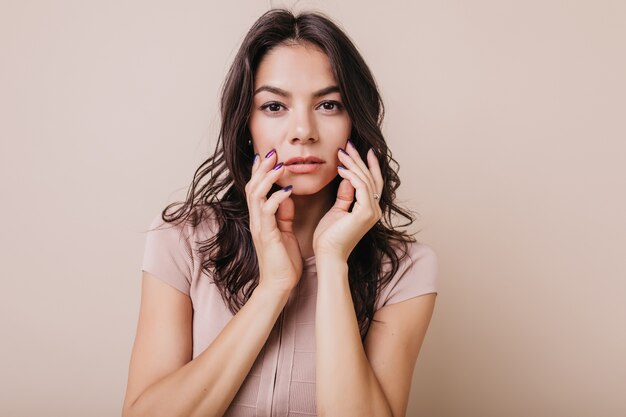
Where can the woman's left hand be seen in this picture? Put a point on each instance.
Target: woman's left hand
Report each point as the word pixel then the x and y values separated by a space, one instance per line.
pixel 339 231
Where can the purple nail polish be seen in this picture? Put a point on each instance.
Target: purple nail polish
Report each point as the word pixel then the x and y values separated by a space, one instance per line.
pixel 351 144
pixel 287 188
pixel 341 167
pixel 346 153
pixel 270 153
pixel 277 167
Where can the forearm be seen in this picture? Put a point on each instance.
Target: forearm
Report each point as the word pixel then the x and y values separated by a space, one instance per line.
pixel 346 384
pixel 206 385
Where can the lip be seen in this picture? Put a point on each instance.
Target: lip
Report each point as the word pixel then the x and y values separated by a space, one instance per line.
pixel 306 159
pixel 303 165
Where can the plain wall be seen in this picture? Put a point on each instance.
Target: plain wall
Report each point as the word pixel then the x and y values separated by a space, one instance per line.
pixel 507 119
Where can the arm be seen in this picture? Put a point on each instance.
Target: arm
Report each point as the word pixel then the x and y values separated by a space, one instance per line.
pixel 161 368
pixel 375 380
pixel 393 344
pixel 353 380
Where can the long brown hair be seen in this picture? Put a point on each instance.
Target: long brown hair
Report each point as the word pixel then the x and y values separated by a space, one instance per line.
pixel 229 257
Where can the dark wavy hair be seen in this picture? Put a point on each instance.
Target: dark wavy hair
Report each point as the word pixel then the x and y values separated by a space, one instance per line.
pixel 229 256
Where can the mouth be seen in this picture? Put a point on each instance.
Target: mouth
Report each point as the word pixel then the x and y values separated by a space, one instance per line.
pixel 303 165
pixel 308 160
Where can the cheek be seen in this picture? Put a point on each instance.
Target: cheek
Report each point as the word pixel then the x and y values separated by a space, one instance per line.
pixel 264 131
pixel 338 129
pixel 258 129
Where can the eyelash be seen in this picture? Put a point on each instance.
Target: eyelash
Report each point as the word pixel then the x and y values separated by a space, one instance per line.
pixel 338 105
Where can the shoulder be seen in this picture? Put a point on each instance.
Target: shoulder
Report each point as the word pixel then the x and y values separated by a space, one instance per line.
pixel 172 248
pixel 202 224
pixel 417 275
pixel 421 254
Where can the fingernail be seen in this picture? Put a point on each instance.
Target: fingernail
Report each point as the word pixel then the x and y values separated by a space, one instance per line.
pixel 277 167
pixel 346 153
pixel 341 167
pixel 270 153
pixel 256 158
pixel 351 144
pixel 287 188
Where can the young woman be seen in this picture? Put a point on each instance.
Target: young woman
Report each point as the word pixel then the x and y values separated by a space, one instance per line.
pixel 280 286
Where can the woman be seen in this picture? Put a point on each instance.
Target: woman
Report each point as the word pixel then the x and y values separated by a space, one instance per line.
pixel 280 288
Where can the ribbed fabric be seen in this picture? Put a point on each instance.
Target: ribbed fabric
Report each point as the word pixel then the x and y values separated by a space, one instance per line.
pixel 281 382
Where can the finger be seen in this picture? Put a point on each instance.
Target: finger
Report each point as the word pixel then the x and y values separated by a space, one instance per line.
pixel 364 205
pixel 277 211
pixel 353 162
pixel 363 194
pixel 256 162
pixel 354 153
pixel 258 199
pixel 345 195
pixel 285 214
pixel 258 187
pixel 263 166
pixel 264 185
pixel 372 162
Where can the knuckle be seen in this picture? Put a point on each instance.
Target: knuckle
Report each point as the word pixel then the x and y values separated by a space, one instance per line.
pixel 256 193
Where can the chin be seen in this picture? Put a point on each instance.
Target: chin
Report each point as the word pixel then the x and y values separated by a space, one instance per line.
pixel 308 186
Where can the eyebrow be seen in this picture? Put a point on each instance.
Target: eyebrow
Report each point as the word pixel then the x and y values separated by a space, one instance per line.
pixel 281 92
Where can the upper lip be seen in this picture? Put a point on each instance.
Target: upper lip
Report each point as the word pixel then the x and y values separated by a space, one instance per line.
pixel 297 159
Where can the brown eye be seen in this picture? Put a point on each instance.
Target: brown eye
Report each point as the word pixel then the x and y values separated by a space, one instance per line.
pixel 272 107
pixel 331 106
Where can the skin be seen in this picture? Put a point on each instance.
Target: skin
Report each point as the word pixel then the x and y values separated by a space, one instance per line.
pixel 299 124
pixel 353 378
pixel 374 379
pixel 289 119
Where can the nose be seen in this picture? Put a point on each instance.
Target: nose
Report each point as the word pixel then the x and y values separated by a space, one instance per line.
pixel 303 127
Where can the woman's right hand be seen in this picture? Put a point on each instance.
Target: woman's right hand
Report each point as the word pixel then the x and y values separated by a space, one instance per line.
pixel 271 226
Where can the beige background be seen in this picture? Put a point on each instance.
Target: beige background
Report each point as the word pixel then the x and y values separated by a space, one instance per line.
pixel 507 119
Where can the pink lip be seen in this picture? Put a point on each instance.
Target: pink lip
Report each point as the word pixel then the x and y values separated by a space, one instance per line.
pixel 302 168
pixel 303 165
pixel 307 159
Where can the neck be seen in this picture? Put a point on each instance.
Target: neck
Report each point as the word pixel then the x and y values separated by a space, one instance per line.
pixel 309 210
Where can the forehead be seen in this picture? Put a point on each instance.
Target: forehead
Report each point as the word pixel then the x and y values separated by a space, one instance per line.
pixel 295 68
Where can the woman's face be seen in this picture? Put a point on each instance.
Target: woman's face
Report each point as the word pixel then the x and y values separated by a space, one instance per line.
pixel 298 111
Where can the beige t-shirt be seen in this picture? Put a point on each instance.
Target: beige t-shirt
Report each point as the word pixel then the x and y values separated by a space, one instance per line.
pixel 282 379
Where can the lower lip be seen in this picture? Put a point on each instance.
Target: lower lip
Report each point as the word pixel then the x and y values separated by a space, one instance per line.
pixel 302 168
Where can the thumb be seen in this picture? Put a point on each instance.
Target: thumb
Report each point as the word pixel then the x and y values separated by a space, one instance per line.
pixel 285 215
pixel 345 195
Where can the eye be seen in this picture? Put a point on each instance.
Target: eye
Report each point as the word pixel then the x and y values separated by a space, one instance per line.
pixel 331 106
pixel 273 107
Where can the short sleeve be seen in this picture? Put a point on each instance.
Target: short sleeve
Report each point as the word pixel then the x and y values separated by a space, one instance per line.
pixel 417 275
pixel 168 254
